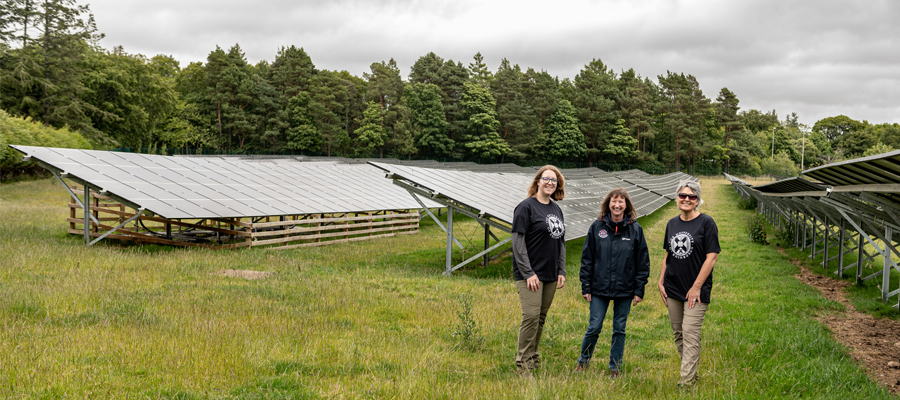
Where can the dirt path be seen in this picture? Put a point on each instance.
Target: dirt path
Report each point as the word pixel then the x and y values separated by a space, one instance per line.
pixel 873 342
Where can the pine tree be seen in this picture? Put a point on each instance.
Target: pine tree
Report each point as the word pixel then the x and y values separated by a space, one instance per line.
pixel 428 121
pixel 621 146
pixel 564 139
pixel 596 93
pixel 371 135
pixel 727 117
pixel 481 138
pixel 479 71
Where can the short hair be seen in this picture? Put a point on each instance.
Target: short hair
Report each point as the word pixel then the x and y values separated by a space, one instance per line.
pixel 560 192
pixel 695 187
pixel 630 212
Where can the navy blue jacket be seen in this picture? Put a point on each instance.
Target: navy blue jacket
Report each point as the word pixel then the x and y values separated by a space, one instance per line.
pixel 615 262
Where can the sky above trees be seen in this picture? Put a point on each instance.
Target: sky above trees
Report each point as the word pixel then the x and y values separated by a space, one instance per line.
pixel 816 58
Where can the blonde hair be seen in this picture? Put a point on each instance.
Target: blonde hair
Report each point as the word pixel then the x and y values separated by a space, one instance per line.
pixel 630 212
pixel 560 192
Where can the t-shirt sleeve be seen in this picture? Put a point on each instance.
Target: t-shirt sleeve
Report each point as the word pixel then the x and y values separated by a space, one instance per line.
pixel 521 218
pixel 711 237
pixel 666 239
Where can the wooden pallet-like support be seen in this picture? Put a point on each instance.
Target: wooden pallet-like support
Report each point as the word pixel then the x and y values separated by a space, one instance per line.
pixel 271 232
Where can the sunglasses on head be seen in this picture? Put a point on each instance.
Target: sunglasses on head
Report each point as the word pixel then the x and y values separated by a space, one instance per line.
pixel 683 196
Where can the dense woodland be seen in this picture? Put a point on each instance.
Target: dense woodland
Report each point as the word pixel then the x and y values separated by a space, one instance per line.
pixel 54 71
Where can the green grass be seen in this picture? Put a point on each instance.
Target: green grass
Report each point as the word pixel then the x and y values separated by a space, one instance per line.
pixel 376 319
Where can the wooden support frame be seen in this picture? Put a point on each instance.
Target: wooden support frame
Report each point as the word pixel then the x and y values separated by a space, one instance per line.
pixel 270 232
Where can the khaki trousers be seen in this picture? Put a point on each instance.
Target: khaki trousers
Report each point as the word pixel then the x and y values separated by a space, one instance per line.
pixel 534 312
pixel 686 326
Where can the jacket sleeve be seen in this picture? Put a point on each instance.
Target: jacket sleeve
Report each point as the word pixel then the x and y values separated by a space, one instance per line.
pixel 642 262
pixel 587 262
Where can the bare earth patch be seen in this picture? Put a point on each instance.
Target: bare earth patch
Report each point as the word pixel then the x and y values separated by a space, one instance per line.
pixel 245 274
pixel 873 342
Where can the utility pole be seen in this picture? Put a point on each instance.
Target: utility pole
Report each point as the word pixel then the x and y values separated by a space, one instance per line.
pixel 773 143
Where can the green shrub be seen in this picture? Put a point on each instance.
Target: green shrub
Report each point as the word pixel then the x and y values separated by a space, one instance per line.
pixel 24 131
pixel 749 203
pixel 756 229
pixel 785 235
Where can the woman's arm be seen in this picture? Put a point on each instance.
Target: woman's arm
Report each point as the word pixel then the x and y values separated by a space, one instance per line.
pixel 662 279
pixel 693 296
pixel 520 253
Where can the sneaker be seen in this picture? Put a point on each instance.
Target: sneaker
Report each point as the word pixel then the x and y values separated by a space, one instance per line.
pixel 613 374
pixel 580 367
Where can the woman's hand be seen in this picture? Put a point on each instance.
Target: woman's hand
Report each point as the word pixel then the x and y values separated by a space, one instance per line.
pixel 587 297
pixel 636 301
pixel 662 293
pixel 533 283
pixel 693 297
pixel 560 281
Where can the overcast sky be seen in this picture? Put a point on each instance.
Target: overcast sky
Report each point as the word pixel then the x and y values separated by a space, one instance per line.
pixel 817 58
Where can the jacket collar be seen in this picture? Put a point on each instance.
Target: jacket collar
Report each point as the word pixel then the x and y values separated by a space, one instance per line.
pixel 624 222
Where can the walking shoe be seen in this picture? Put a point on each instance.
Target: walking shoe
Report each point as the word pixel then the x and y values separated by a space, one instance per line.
pixel 613 374
pixel 580 367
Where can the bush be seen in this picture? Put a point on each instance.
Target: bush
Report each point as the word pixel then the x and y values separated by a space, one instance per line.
pixel 756 229
pixel 24 131
pixel 749 203
pixel 785 235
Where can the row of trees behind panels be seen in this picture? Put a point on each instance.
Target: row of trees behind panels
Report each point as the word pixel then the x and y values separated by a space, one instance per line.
pixel 55 72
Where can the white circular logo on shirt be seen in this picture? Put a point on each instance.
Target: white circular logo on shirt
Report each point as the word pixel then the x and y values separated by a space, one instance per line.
pixel 555 226
pixel 681 245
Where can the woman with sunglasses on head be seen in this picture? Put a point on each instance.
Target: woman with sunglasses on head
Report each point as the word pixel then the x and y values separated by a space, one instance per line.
pixel 685 282
pixel 539 261
pixel 615 266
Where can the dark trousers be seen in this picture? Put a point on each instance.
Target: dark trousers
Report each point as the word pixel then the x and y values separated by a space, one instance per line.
pixel 599 306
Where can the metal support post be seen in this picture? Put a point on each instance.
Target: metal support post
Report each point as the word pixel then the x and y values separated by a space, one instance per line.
pixel 487 243
pixel 449 241
pixel 886 253
pixel 825 245
pixel 860 253
pixel 815 228
pixel 840 270
pixel 803 245
pixel 796 223
pixel 87 215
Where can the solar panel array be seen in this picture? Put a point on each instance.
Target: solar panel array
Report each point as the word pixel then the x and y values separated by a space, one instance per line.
pixel 497 194
pixel 207 187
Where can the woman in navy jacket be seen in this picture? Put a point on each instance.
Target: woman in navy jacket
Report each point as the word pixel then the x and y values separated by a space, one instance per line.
pixel 615 266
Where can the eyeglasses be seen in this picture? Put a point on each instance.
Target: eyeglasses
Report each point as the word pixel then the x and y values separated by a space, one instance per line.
pixel 548 180
pixel 683 196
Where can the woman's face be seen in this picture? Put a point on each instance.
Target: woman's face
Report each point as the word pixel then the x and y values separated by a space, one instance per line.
pixel 617 207
pixel 547 183
pixel 687 200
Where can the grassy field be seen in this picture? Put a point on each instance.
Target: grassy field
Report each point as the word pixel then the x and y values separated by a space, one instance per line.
pixel 377 319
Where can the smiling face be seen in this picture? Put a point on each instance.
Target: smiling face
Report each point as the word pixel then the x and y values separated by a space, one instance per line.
pixel 547 183
pixel 687 201
pixel 617 206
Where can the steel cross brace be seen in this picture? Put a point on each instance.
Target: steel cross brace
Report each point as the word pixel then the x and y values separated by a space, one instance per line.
pixel 137 214
pixel 71 193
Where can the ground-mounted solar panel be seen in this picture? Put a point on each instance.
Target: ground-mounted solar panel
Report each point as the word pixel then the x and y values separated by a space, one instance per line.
pixel 496 195
pixel 198 195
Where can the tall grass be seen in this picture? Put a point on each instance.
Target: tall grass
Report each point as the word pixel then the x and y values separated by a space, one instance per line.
pixel 377 319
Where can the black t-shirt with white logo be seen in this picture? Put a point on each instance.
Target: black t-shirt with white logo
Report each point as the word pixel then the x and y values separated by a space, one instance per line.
pixel 687 244
pixel 545 231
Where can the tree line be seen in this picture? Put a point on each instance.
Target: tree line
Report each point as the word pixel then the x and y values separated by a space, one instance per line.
pixel 54 71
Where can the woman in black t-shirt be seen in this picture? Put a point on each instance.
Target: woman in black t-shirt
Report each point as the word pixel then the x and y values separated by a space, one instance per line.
pixel 685 282
pixel 539 257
